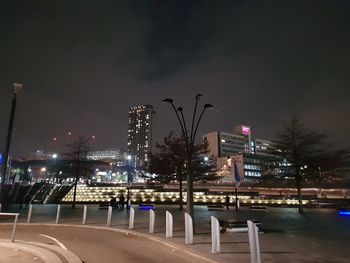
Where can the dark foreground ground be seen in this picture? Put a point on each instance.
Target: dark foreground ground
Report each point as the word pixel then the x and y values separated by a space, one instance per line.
pixel 319 235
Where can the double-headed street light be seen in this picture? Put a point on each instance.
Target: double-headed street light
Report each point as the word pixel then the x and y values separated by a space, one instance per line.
pixel 189 137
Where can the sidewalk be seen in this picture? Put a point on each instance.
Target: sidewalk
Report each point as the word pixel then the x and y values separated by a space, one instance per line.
pixel 16 255
pixel 317 236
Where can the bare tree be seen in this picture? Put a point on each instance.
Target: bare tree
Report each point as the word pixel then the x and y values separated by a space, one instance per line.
pixel 302 150
pixel 79 166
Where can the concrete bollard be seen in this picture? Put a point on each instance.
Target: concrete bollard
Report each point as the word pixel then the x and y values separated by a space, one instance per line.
pixel 238 204
pixel 151 221
pixel 168 224
pixel 30 211
pixel 84 215
pixel 188 229
pixel 254 246
pixel 0 207
pixel 14 228
pixel 109 216
pixel 215 235
pixel 131 218
pixel 58 214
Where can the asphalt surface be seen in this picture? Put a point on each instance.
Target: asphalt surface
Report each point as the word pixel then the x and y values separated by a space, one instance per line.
pixel 320 235
pixel 98 245
pixel 14 255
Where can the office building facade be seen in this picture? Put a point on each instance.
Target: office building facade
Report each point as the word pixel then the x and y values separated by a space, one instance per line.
pixel 249 154
pixel 223 144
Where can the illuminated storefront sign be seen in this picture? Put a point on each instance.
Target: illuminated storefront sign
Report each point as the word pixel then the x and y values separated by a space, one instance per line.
pixel 245 130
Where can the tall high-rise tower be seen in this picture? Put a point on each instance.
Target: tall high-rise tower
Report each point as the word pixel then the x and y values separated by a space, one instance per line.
pixel 140 134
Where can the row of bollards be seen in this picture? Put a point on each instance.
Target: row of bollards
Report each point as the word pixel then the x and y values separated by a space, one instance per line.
pixel 215 229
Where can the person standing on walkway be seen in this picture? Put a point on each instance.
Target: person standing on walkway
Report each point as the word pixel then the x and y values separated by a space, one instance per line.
pixel 227 202
pixel 113 202
pixel 121 201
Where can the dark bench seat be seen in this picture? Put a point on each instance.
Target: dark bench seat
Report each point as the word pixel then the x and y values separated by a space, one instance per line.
pixel 259 208
pixel 236 226
pixel 215 207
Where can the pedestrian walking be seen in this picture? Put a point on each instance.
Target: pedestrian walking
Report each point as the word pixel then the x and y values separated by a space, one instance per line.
pixel 113 202
pixel 227 202
pixel 121 201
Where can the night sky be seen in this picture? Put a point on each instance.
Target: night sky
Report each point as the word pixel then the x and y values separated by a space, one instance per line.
pixel 84 63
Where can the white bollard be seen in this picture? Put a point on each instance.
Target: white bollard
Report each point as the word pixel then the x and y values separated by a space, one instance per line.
pixel 215 235
pixel 29 217
pixel 58 214
pixel 84 215
pixel 14 229
pixel 188 229
pixel 253 242
pixel 131 218
pixel 0 207
pixel 168 224
pixel 238 204
pixel 109 216
pixel 151 221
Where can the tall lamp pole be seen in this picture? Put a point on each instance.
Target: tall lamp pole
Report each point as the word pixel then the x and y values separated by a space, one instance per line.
pixel 129 182
pixel 16 88
pixel 189 137
pixel 129 179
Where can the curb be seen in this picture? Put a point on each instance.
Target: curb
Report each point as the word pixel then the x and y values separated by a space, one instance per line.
pixel 47 253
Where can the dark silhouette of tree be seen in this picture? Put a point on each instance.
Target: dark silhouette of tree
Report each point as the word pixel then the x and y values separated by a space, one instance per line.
pixel 304 155
pixel 170 163
pixel 78 166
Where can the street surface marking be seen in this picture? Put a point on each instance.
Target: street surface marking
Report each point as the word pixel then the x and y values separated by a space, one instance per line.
pixel 54 239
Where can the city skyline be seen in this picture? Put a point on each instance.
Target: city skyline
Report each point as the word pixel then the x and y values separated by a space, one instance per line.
pixel 84 65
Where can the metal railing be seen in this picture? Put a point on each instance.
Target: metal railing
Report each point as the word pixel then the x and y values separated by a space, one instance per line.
pixel 16 215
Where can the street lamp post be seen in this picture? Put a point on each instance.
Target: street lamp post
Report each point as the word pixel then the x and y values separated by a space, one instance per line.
pixel 189 137
pixel 16 88
pixel 129 179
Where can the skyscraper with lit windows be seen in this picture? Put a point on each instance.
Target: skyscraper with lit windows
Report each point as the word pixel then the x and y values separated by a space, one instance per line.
pixel 140 134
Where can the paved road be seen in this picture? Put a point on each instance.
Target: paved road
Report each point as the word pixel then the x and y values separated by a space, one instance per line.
pixel 98 245
pixel 320 235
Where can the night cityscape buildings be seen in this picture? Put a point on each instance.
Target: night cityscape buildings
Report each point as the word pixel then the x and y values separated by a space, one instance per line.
pixel 260 63
pixel 249 154
pixel 141 133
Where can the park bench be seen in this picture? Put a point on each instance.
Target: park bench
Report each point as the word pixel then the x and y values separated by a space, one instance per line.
pixel 235 226
pixel 259 208
pixel 215 207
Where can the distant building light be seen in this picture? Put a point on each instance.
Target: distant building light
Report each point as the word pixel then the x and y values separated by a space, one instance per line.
pixel 245 130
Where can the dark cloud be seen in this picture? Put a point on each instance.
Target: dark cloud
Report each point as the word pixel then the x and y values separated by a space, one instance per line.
pixel 85 63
